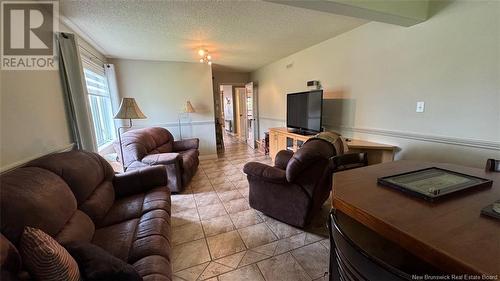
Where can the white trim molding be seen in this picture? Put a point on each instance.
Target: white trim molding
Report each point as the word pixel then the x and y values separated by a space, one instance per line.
pixel 21 162
pixel 176 124
pixel 194 123
pixel 485 144
pixel 273 119
pixel 421 137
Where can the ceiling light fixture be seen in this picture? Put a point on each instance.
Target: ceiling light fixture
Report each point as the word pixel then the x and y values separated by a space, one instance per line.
pixel 205 57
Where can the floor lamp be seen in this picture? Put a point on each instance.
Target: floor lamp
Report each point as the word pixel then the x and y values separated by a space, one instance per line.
pixel 187 110
pixel 128 110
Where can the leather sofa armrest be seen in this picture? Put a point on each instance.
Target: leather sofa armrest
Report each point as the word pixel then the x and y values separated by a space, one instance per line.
pixel 282 158
pixel 162 158
pixel 139 181
pixel 265 172
pixel 187 144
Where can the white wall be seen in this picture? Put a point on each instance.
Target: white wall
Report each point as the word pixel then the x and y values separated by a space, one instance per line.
pixel 33 119
pixel 161 90
pixel 374 75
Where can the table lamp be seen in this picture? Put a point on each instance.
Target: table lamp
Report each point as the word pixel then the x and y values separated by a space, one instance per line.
pixel 187 109
pixel 128 110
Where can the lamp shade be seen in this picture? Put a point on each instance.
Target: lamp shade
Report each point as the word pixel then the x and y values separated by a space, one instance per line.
pixel 189 107
pixel 129 110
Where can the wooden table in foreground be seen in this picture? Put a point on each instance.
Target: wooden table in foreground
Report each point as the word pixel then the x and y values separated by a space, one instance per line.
pixel 448 233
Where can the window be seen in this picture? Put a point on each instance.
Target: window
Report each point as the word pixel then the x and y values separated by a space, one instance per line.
pixel 100 104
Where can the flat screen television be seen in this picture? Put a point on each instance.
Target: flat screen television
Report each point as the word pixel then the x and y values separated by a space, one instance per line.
pixel 304 110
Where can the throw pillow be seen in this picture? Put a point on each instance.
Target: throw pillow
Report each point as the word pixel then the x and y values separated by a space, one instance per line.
pixel 45 259
pixel 98 265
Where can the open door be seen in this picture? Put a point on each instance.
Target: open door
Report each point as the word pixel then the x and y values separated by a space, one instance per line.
pixel 252 126
pixel 241 113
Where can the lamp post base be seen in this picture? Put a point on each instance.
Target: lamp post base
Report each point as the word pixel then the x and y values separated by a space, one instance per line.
pixel 120 141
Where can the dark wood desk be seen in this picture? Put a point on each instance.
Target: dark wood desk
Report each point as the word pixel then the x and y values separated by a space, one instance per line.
pixel 450 234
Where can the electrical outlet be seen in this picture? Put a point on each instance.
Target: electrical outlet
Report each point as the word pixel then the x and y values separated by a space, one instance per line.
pixel 420 106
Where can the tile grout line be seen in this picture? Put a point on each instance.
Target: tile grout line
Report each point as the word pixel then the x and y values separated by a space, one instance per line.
pixel 301 266
pixel 235 162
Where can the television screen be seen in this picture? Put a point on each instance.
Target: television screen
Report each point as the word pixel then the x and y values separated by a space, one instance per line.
pixel 304 110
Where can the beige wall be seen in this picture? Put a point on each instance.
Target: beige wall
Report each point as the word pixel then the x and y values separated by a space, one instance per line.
pixel 162 88
pixel 374 75
pixel 32 112
pixel 228 78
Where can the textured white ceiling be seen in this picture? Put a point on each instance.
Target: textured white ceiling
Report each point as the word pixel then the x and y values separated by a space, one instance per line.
pixel 243 35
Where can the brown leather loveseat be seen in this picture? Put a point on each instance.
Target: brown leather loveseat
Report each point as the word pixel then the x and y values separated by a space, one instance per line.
pixel 156 146
pixel 75 196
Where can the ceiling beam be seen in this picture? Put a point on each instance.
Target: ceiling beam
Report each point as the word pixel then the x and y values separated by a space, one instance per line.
pixel 399 12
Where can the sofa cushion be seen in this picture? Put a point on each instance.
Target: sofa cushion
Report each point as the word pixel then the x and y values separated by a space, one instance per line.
pixel 87 174
pixel 100 201
pixel 96 264
pixel 78 228
pixel 152 238
pixel 136 165
pixel 135 239
pixel 34 197
pixel 9 256
pixel 135 206
pixel 45 259
pixel 155 268
pixel 117 238
pixel 141 226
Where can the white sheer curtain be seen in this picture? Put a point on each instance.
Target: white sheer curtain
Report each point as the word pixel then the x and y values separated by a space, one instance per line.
pixel 73 83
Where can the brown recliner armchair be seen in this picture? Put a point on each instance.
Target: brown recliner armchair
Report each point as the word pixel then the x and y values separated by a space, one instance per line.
pixel 76 196
pixel 294 190
pixel 156 146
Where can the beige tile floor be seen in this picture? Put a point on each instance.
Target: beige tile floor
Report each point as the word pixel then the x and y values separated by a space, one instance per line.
pixel 217 236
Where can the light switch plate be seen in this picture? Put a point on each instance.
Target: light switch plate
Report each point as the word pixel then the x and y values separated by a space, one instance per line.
pixel 420 106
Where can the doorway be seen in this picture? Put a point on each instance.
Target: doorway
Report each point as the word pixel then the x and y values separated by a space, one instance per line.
pixel 237 113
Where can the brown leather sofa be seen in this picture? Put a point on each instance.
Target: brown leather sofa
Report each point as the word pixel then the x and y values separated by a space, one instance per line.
pixel 75 196
pixel 156 146
pixel 294 190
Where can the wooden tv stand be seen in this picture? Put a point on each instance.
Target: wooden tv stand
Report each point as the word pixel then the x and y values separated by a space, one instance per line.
pixel 283 138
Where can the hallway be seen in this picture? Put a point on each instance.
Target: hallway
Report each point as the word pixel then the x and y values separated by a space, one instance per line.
pixel 216 235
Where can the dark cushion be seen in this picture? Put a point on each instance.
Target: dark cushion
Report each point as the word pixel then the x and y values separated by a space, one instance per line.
pixel 161 158
pixel 45 259
pixel 308 155
pixel 9 256
pixel 182 145
pixel 34 197
pixel 282 158
pixel 87 174
pixel 96 264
